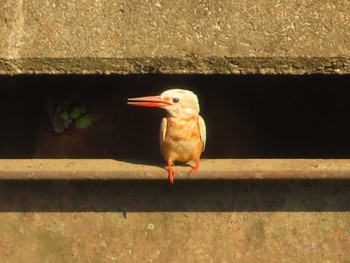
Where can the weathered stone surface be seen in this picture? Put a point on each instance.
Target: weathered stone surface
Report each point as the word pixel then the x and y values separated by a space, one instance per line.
pixel 267 37
pixel 227 221
pixel 237 221
pixel 211 169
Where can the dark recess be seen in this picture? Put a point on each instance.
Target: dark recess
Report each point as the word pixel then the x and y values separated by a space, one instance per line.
pixel 250 116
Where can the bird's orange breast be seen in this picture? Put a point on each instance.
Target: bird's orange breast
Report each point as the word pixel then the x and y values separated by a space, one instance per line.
pixel 182 140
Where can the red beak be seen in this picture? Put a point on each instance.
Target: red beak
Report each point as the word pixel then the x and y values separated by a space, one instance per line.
pixel 149 101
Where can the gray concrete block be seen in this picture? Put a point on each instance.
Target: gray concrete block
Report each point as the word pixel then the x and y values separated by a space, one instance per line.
pixel 304 36
pixel 232 221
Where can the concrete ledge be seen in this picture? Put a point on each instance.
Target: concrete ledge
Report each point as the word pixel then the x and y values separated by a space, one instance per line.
pixel 138 221
pixel 265 37
pixel 175 65
pixel 212 169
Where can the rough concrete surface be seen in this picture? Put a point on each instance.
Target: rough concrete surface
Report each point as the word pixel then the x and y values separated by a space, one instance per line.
pixel 210 169
pixel 266 37
pixel 191 221
pixel 67 219
pixel 235 221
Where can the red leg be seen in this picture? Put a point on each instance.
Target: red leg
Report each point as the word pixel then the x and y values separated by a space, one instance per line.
pixel 170 172
pixel 196 168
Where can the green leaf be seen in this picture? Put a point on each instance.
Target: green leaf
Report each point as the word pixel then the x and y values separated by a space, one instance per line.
pixel 64 116
pixel 84 121
pixel 77 112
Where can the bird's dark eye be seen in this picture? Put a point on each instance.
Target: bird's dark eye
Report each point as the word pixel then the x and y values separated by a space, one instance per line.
pixel 176 100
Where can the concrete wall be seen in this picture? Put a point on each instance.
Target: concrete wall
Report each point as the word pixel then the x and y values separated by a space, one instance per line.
pixel 191 221
pixel 227 221
pixel 292 36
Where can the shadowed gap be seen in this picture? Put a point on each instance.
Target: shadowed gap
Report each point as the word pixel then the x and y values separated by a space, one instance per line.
pixel 184 196
pixel 250 116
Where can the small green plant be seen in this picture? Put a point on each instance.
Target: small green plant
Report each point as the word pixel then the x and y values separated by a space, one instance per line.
pixel 65 115
pixel 68 109
pixel 78 116
pixel 84 121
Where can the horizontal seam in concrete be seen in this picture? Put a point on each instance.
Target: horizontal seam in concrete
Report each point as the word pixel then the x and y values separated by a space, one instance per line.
pixel 191 64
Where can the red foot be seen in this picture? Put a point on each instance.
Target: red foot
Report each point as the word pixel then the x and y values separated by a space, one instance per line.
pixel 196 168
pixel 170 172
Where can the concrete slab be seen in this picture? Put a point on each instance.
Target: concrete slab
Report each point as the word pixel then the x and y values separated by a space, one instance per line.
pixel 267 37
pixel 152 221
pixel 211 169
pixel 100 211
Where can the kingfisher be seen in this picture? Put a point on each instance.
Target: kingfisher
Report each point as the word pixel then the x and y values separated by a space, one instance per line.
pixel 182 132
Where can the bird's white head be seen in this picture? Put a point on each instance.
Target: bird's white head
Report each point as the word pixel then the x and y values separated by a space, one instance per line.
pixel 178 102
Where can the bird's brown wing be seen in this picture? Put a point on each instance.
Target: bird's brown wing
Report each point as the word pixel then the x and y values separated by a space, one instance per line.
pixel 202 131
pixel 162 133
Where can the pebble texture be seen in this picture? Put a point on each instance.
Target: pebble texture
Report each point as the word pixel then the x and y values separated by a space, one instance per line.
pixel 266 37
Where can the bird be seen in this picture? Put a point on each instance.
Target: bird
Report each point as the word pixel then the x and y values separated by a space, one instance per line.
pixel 182 133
